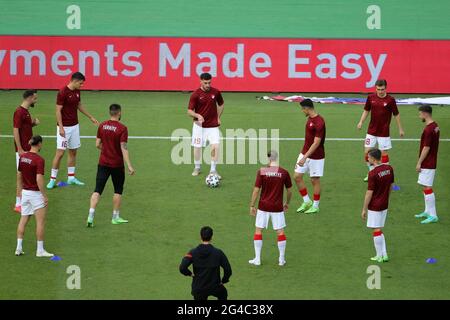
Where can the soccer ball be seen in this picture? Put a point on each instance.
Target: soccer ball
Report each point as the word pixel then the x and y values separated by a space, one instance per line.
pixel 212 180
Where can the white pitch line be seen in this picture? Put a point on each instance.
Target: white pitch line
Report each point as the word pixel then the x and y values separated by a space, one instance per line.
pixel 175 138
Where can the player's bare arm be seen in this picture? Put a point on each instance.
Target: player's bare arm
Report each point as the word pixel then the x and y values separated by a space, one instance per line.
pixel 98 143
pixel 17 141
pixel 126 157
pixel 87 114
pixel 255 194
pixel 367 199
pixel 19 180
pixel 423 155
pixel 41 185
pixel 364 116
pixel 399 125
pixel 219 112
pixel 194 115
pixel 62 133
pixel 310 151
pixel 288 199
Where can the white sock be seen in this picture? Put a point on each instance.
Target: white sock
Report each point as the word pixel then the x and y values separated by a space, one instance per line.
pixel 430 202
pixel 378 242
pixel 316 203
pixel 91 213
pixel 306 198
pixel 281 247
pixel 115 214
pixel 71 172
pixel 426 204
pixel 40 246
pixel 19 244
pixel 383 245
pixel 54 174
pixel 197 164
pixel 18 201
pixel 258 243
pixel 213 166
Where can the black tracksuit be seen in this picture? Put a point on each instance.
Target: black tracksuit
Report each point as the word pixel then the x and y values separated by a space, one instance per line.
pixel 207 261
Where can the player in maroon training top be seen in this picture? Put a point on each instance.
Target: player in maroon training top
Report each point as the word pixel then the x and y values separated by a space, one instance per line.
pixel 23 131
pixel 270 181
pixel 381 107
pixel 206 107
pixel 112 138
pixel 426 165
pixel 312 158
pixel 376 201
pixel 34 199
pixel 68 102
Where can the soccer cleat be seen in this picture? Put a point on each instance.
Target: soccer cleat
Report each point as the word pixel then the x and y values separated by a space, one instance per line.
pixel 19 252
pixel 385 259
pixel 430 219
pixel 119 221
pixel 217 174
pixel 51 184
pixel 75 181
pixel 312 210
pixel 196 172
pixel 17 209
pixel 90 223
pixel 281 263
pixel 255 262
pixel 421 215
pixel 44 254
pixel 366 178
pixel 380 259
pixel 305 206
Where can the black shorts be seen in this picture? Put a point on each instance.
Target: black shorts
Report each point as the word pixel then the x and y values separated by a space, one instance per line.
pixel 117 175
pixel 220 293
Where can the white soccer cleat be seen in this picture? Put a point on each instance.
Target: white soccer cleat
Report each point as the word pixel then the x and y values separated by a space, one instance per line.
pixel 19 252
pixel 196 172
pixel 255 262
pixel 44 254
pixel 281 263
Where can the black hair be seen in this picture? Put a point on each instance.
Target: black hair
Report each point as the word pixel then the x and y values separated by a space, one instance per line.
pixel 29 93
pixel 78 76
pixel 381 83
pixel 205 76
pixel 114 109
pixel 307 103
pixel 35 140
pixel 426 108
pixel 375 153
pixel 206 233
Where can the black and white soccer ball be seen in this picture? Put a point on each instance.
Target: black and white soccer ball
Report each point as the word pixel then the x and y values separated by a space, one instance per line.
pixel 212 180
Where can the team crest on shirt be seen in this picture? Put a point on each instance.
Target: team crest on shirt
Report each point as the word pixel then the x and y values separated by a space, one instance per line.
pixel 213 96
pixel 78 95
pixel 311 124
pixel 385 104
pixel 436 129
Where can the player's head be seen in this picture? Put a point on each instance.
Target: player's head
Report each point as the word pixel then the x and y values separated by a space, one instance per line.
pixel 30 96
pixel 425 112
pixel 36 142
pixel 272 155
pixel 205 81
pixel 381 85
pixel 206 234
pixel 307 106
pixel 77 80
pixel 115 110
pixel 374 156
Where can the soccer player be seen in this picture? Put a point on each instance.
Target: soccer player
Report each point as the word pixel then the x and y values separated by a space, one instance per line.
pixel 426 165
pixel 34 199
pixel 376 201
pixel 23 131
pixel 270 181
pixel 68 102
pixel 205 106
pixel 312 158
pixel 207 261
pixel 381 107
pixel 112 137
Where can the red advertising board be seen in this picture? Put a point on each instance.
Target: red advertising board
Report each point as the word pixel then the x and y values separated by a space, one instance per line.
pixel 281 65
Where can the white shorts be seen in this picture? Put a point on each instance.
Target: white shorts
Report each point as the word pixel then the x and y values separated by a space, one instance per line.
pixel 426 177
pixel 314 167
pixel 201 135
pixel 72 139
pixel 384 143
pixel 17 161
pixel 262 219
pixel 376 219
pixel 31 201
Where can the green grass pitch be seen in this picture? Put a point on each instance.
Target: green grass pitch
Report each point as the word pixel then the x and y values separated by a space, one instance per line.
pixel 327 254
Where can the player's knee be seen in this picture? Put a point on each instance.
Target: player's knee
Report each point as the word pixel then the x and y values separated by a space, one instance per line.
pixel 298 177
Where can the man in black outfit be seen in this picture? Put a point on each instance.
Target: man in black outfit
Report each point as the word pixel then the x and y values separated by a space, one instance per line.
pixel 207 261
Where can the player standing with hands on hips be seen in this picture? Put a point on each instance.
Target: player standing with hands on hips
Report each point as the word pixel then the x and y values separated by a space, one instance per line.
pixel 206 106
pixel 68 102
pixel 381 107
